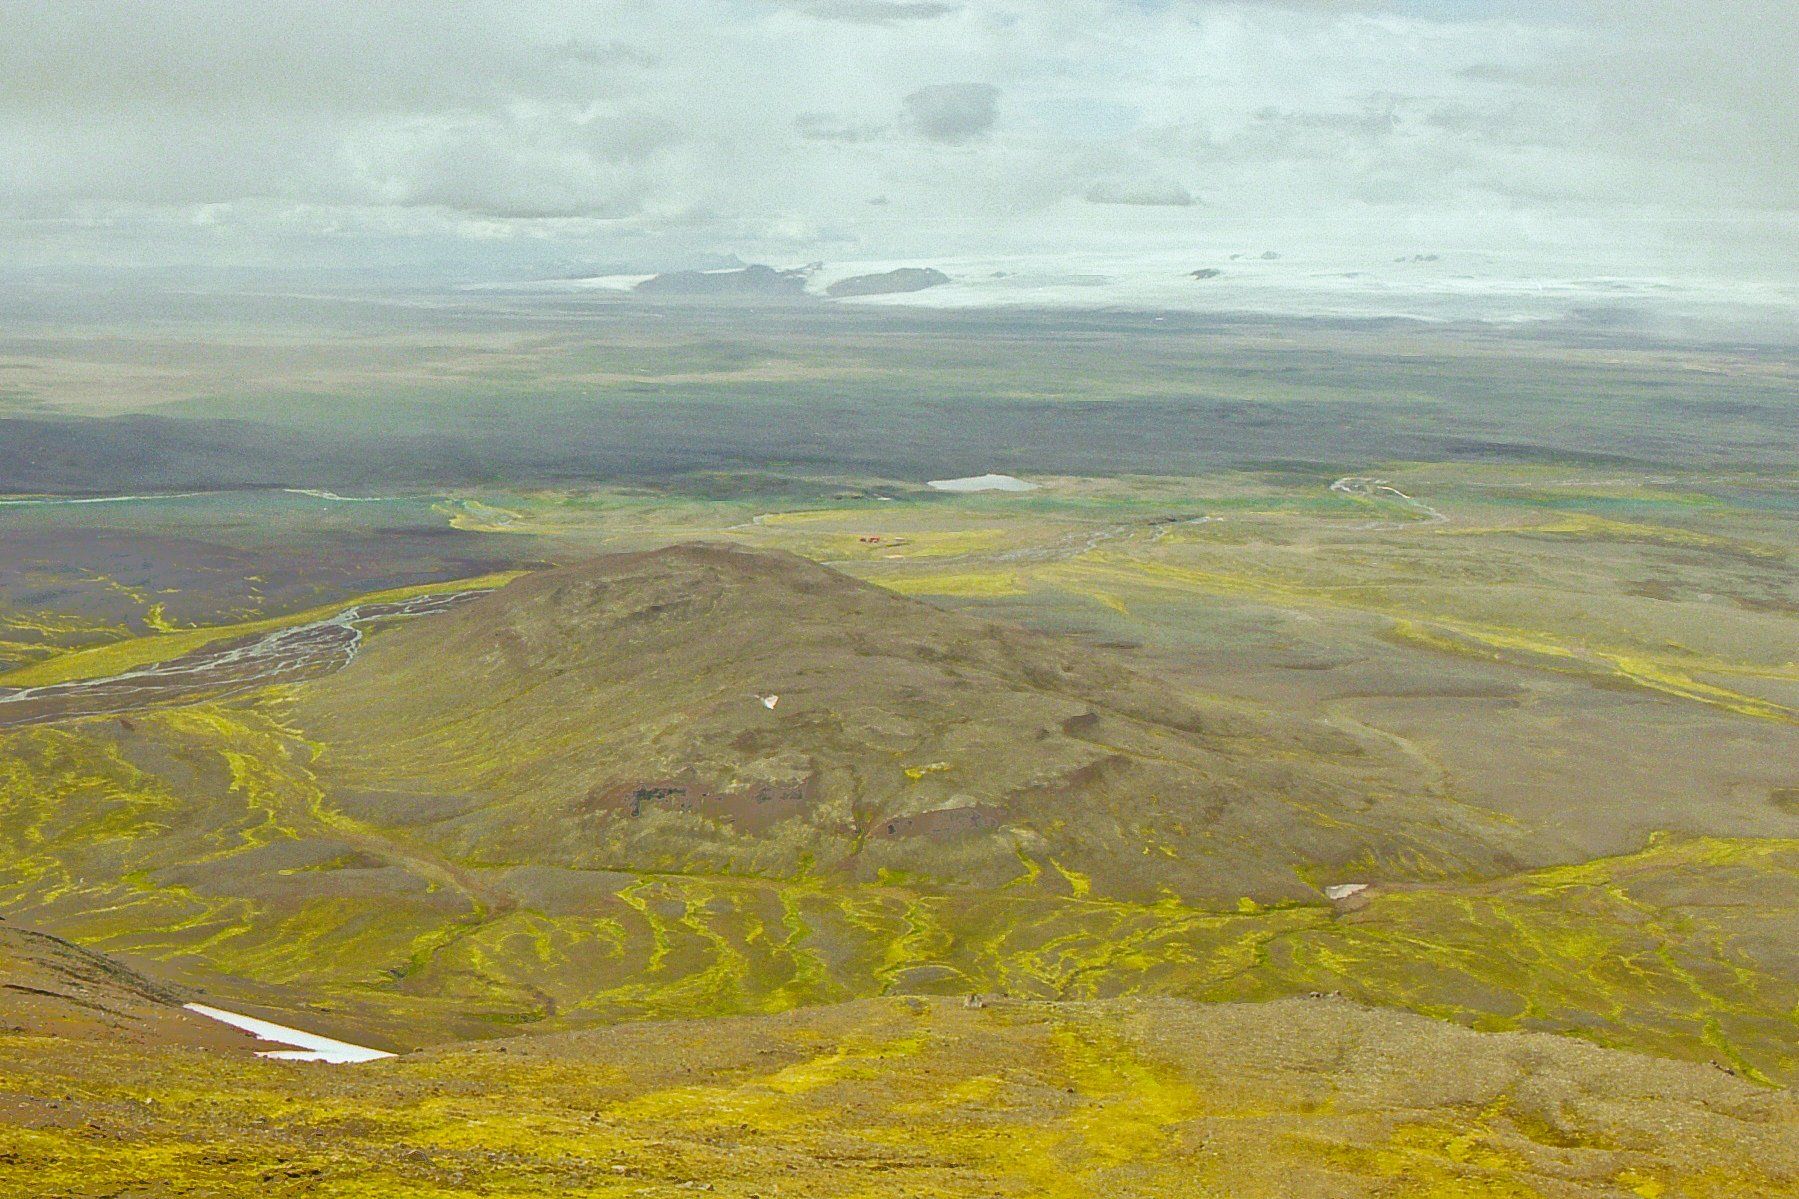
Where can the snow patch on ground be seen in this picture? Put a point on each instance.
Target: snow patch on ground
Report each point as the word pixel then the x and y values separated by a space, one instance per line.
pixel 311 1046
pixel 982 483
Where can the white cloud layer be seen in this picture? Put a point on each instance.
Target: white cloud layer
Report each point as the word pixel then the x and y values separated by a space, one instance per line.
pixel 631 130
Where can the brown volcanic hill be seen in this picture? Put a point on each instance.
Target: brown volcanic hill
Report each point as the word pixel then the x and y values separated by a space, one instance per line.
pixel 613 714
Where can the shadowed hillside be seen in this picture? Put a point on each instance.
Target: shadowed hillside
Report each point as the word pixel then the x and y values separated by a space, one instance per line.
pixel 49 987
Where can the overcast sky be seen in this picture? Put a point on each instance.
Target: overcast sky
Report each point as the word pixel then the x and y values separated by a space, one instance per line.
pixel 638 131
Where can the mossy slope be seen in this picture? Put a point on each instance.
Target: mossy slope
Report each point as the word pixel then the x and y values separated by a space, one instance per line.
pixel 917 1099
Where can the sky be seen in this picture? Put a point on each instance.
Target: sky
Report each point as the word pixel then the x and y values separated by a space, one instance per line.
pixel 551 137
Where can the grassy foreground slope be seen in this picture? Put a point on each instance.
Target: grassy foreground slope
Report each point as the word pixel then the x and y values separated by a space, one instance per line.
pixel 904 1097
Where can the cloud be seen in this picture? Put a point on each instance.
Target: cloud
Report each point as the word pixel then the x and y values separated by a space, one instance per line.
pixel 599 54
pixel 876 12
pixel 952 113
pixel 1693 103
pixel 824 127
pixel 1165 193
pixel 616 128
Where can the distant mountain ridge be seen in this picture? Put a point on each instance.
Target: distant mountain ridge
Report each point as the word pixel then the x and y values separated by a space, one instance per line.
pixel 752 282
pixel 886 283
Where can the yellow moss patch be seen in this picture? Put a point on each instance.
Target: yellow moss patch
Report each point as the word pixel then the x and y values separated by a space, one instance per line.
pixel 973 584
